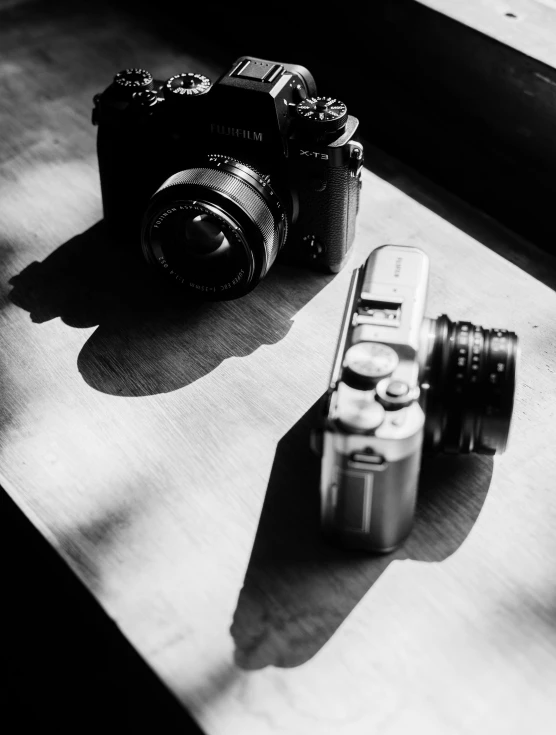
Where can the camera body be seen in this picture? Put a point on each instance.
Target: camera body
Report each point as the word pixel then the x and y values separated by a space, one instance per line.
pixel 298 151
pixel 402 383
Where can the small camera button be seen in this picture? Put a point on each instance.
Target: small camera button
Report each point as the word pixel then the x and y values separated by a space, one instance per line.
pixel 356 160
pixel 314 248
pixel 395 394
pixel 397 389
pixel 146 98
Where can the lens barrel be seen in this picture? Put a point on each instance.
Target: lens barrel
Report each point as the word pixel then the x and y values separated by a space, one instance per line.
pixel 467 386
pixel 222 201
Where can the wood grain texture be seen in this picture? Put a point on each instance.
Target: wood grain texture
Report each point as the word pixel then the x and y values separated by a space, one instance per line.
pixel 162 449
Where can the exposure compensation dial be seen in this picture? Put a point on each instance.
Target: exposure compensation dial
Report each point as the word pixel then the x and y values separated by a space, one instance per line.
pixel 322 114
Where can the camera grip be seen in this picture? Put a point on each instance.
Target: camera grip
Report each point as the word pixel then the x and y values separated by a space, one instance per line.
pixel 328 210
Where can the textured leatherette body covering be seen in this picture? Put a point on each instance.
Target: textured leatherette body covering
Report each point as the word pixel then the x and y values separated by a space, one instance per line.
pixel 329 215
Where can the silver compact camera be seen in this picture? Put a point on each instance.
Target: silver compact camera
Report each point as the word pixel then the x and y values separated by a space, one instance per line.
pixel 403 383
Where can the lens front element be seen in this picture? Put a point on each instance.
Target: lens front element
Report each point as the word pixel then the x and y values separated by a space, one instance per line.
pixel 199 248
pixel 203 235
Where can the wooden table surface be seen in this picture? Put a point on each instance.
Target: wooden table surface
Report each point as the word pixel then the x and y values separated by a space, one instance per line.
pixel 526 25
pixel 163 449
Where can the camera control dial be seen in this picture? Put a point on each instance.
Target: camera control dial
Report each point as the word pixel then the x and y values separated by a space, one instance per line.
pixel 365 363
pixel 134 80
pixel 396 394
pixel 186 85
pixel 322 114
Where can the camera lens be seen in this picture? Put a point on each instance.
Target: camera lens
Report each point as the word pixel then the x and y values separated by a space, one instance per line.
pixel 215 229
pixel 202 235
pixel 467 386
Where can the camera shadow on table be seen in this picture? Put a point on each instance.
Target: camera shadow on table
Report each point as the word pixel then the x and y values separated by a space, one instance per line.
pixel 298 588
pixel 151 339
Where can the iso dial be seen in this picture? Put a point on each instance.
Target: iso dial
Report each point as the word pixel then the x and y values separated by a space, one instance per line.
pixel 134 80
pixel 322 114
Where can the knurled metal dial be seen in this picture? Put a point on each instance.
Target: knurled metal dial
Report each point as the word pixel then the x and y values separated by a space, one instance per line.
pixel 134 80
pixel 186 85
pixel 322 114
pixel 367 362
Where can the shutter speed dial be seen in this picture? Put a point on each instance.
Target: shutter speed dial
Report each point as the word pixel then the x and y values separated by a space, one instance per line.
pixel 365 363
pixel 322 114
pixel 186 85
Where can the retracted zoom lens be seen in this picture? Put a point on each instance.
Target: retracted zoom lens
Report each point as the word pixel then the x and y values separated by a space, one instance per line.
pixel 215 230
pixel 468 384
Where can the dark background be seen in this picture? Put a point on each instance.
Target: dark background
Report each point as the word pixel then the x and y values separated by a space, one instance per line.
pixel 474 115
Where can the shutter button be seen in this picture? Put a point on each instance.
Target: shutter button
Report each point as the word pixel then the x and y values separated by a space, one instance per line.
pixel 397 389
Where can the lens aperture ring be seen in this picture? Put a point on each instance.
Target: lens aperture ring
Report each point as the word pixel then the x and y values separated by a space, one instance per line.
pixel 464 374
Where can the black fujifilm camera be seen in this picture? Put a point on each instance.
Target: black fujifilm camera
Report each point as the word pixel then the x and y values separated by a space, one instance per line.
pixel 403 383
pixel 218 179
